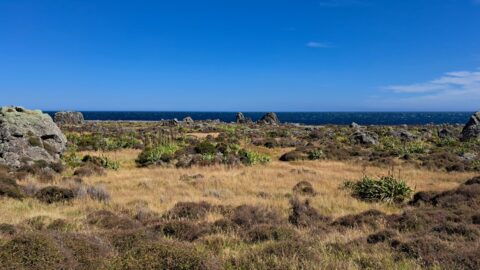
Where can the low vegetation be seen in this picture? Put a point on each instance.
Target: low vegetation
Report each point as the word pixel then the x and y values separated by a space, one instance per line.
pixel 221 196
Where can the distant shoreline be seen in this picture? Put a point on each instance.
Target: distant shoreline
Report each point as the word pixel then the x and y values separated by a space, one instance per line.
pixel 305 118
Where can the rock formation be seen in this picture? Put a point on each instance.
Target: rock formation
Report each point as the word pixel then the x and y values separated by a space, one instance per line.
pixel 241 119
pixel 269 119
pixel 69 118
pixel 27 136
pixel 188 120
pixel 471 130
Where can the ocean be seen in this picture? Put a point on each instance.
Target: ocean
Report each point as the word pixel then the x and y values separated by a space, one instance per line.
pixel 307 118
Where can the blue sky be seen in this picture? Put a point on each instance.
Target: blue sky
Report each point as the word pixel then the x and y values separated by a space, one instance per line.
pixel 241 55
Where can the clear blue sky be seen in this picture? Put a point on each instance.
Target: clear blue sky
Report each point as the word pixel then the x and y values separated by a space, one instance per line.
pixel 241 55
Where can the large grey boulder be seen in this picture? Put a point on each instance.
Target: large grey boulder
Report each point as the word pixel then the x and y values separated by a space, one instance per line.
pixel 269 119
pixel 471 130
pixel 69 118
pixel 188 120
pixel 27 136
pixel 241 119
pixel 365 138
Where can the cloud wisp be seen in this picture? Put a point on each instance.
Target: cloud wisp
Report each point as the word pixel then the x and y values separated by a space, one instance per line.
pixel 458 90
pixel 318 45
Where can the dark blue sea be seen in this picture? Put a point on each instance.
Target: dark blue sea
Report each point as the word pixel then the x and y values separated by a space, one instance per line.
pixel 308 118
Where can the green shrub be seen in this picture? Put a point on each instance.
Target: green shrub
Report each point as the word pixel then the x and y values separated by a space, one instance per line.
pixel 206 148
pixel 102 161
pixel 152 155
pixel 253 158
pixel 315 154
pixel 384 189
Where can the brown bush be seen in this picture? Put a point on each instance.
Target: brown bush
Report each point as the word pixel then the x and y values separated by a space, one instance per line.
pixel 189 210
pixel 10 188
pixel 53 194
pixel 108 220
pixel 304 188
pixel 266 232
pixel 371 218
pixel 7 229
pixel 125 240
pixel 248 215
pixel 33 250
pixel 182 229
pixel 89 170
pixel 304 215
pixel 381 236
pixel 165 255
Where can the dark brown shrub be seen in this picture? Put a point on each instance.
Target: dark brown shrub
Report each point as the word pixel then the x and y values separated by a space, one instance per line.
pixel 304 215
pixel 108 220
pixel 53 194
pixel 88 170
pixel 166 255
pixel 476 219
pixel 473 181
pixel 33 250
pixel 10 188
pixel 88 252
pixel 294 155
pixel 304 188
pixel 182 229
pixel 369 218
pixel 450 231
pixel 248 215
pixel 7 229
pixel 125 240
pixel 422 197
pixel 280 255
pixel 381 236
pixel 266 232
pixel 189 210
pixel 224 225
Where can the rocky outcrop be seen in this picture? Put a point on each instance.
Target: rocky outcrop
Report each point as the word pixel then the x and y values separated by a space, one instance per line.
pixel 471 130
pixel 27 136
pixel 269 119
pixel 69 118
pixel 403 134
pixel 365 138
pixel 241 119
pixel 188 120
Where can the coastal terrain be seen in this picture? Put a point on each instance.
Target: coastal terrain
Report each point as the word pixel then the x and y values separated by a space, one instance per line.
pixel 191 194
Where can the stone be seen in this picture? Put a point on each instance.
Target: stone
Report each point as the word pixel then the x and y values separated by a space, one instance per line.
pixel 27 136
pixel 404 135
pixel 471 130
pixel 269 119
pixel 354 125
pixel 241 119
pixel 445 133
pixel 365 138
pixel 188 120
pixel 69 118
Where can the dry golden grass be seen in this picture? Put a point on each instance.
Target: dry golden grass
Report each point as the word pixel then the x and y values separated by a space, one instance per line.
pixel 159 188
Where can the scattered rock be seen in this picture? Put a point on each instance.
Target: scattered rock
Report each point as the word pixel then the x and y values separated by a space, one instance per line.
pixel 241 119
pixel 355 126
pixel 445 133
pixel 404 135
pixel 471 130
pixel 188 120
pixel 69 118
pixel 27 136
pixel 365 138
pixel 269 119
